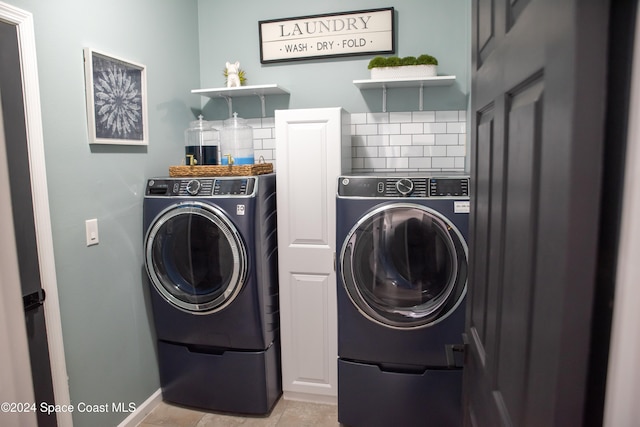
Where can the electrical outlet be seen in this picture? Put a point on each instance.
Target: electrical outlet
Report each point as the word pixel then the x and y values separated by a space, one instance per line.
pixel 91 226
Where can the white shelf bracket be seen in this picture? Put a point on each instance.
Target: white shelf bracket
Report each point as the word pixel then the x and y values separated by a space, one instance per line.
pixel 421 100
pixel 261 96
pixel 229 104
pixel 384 98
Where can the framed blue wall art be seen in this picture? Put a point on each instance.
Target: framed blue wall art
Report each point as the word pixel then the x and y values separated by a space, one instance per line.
pixel 116 100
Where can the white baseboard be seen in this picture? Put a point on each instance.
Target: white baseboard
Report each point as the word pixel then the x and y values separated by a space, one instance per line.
pixel 143 410
pixel 308 397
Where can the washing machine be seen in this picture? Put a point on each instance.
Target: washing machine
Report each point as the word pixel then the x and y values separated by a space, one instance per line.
pixel 210 252
pixel 402 277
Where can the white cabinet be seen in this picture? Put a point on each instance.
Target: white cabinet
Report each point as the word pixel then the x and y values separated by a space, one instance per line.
pixel 313 147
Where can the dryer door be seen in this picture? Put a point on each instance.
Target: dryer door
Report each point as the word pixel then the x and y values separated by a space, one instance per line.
pixel 195 257
pixel 404 266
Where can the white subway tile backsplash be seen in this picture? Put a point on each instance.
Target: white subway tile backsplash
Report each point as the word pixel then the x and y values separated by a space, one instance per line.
pixel 357 163
pixel 412 151
pixel 423 116
pixel 397 162
pixel 435 151
pixel 435 128
pixel 262 133
pixel 378 118
pixel 366 152
pixel 358 140
pixel 358 118
pixel 424 139
pixel 433 141
pixel 447 116
pixel 400 117
pixel 374 163
pixel 447 139
pixel 378 140
pixel 456 127
pixel 420 162
pixel 269 144
pixel 366 130
pixel 411 128
pixel 443 162
pixel 389 151
pixel 456 150
pixel 400 139
pixel 388 128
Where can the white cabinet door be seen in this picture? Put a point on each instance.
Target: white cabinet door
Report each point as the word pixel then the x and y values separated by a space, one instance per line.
pixel 312 149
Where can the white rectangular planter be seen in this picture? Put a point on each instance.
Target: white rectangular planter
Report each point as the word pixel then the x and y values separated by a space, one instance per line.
pixel 404 72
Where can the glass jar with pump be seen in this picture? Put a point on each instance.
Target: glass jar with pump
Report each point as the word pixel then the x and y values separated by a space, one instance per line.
pixel 201 143
pixel 236 142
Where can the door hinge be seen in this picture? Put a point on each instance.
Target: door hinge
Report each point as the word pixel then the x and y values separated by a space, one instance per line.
pixel 33 300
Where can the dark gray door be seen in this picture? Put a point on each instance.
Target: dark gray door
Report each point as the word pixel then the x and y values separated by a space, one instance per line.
pixel 538 98
pixel 22 207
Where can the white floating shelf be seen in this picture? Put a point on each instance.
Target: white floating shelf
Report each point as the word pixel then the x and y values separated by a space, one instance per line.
pixel 398 83
pixel 258 90
pixel 419 83
pixel 229 93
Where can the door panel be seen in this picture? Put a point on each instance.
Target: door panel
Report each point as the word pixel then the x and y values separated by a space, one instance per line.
pixel 537 125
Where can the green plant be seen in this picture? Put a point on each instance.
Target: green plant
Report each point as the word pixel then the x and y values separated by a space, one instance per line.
pixel 427 60
pixel 377 62
pixel 409 60
pixel 394 61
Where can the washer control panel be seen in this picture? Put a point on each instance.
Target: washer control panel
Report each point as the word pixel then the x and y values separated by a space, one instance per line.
pixel 369 186
pixel 202 187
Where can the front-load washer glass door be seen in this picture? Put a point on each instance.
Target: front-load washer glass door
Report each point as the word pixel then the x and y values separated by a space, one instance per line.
pixel 195 257
pixel 404 266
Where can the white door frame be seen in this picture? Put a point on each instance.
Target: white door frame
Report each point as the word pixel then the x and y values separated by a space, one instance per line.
pixel 26 40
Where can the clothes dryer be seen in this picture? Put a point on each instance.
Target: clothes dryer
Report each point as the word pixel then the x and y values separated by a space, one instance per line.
pixel 402 272
pixel 210 252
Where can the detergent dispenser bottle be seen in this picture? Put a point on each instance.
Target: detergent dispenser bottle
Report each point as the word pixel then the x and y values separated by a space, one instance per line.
pixel 236 142
pixel 201 143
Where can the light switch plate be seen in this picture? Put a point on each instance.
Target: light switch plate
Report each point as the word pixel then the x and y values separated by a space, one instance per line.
pixel 91 226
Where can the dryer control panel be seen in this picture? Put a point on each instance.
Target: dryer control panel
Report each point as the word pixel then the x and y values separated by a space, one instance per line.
pixel 201 187
pixel 410 186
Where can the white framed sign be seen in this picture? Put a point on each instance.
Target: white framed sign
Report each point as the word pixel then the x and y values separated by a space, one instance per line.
pixel 362 32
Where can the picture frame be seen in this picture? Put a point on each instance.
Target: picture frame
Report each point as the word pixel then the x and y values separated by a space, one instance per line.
pixel 329 35
pixel 116 97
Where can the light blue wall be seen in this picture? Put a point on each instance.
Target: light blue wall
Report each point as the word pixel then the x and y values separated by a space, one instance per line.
pixel 106 324
pixel 229 32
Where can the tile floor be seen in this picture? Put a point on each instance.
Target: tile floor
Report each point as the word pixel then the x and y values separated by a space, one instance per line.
pixel 286 413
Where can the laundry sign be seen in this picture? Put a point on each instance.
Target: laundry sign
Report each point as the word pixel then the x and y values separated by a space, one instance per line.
pixel 361 32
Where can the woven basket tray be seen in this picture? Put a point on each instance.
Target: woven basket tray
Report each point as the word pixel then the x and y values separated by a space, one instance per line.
pixel 243 170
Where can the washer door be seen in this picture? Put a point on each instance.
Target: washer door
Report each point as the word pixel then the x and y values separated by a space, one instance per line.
pixel 195 257
pixel 404 266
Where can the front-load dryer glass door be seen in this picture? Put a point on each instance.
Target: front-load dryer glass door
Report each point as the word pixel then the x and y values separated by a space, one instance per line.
pixel 195 257
pixel 404 266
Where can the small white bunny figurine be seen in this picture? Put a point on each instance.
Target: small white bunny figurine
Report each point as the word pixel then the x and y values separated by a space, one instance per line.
pixel 232 74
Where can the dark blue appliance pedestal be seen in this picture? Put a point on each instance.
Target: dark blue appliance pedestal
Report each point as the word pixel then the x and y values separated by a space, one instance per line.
pixel 370 397
pixel 244 382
